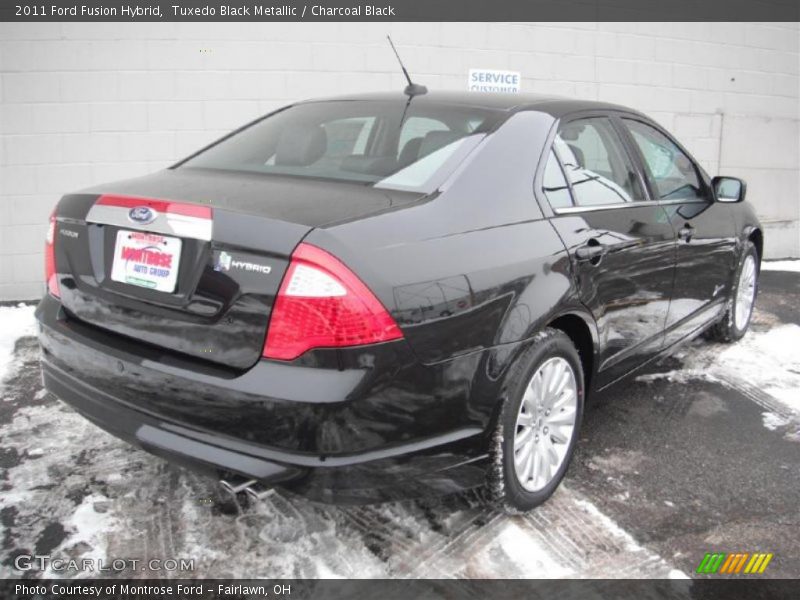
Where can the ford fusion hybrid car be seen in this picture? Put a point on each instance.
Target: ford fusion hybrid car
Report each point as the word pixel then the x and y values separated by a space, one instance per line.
pixel 383 296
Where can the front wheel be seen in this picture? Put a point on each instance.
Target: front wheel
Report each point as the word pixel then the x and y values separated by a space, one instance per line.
pixel 538 424
pixel 736 320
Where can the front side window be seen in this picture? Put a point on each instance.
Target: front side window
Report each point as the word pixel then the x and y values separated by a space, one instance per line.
pixel 672 173
pixel 596 163
pixel 388 144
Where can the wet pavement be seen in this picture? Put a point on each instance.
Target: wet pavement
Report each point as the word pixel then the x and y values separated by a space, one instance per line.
pixel 689 468
pixel 689 458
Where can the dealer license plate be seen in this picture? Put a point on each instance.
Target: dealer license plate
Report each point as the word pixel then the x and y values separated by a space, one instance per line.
pixel 146 259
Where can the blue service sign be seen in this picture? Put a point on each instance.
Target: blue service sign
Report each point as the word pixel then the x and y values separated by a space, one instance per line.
pixel 492 80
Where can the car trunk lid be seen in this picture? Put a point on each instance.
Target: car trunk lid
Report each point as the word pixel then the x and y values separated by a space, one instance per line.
pixel 191 262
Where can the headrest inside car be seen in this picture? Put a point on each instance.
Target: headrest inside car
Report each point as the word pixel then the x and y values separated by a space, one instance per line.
pixel 578 154
pixel 436 140
pixel 410 151
pixel 301 145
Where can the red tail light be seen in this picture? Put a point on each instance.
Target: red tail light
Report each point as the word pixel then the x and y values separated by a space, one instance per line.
pixel 322 304
pixel 50 258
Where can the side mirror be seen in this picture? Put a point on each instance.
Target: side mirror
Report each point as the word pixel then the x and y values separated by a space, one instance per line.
pixel 729 189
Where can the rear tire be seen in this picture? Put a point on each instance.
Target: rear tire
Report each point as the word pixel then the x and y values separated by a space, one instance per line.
pixel 533 444
pixel 736 320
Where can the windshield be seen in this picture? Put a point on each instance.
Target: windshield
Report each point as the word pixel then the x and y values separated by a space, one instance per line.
pixel 380 143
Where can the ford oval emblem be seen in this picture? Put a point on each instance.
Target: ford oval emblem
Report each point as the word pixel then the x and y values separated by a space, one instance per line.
pixel 142 215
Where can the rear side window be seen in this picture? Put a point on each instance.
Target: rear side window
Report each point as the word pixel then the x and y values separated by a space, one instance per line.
pixel 555 185
pixel 671 172
pixel 390 144
pixel 596 163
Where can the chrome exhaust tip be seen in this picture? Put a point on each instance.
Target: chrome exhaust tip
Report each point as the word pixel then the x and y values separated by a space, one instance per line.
pixel 234 489
pixel 258 493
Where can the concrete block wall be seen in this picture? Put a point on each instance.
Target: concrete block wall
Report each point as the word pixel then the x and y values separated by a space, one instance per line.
pixel 84 103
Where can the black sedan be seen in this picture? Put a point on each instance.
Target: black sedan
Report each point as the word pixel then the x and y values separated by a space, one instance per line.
pixel 384 296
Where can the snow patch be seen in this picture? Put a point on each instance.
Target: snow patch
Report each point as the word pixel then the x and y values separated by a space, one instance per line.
pixel 769 361
pixel 531 559
pixel 324 572
pixel 630 544
pixel 89 527
pixel 610 525
pixel 678 376
pixel 781 265
pixel 773 421
pixel 15 322
pixel 676 574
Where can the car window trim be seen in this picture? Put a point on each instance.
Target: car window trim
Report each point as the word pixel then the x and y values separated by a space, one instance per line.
pixel 635 155
pixel 560 166
pixel 611 115
pixel 538 175
pixel 618 205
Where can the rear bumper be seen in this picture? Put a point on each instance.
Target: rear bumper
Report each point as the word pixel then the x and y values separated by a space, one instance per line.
pixel 336 435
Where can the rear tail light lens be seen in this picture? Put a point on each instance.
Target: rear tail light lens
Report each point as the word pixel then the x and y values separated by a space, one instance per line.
pixel 323 304
pixel 50 258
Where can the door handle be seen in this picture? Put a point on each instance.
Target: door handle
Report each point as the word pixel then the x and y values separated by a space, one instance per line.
pixel 686 232
pixel 591 252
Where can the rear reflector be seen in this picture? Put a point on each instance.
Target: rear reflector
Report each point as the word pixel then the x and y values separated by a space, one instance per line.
pixel 323 304
pixel 50 258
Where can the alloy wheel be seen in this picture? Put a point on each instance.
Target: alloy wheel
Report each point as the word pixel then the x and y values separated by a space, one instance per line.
pixel 745 292
pixel 545 423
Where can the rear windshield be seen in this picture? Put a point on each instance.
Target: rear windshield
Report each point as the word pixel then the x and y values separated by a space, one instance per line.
pixel 382 143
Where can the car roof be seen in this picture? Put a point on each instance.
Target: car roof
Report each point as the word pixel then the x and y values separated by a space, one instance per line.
pixel 553 105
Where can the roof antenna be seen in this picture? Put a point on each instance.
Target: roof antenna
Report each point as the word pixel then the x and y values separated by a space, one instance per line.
pixel 412 89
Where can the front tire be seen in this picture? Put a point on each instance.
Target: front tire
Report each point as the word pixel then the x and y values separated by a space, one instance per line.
pixel 736 320
pixel 538 424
